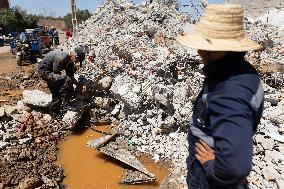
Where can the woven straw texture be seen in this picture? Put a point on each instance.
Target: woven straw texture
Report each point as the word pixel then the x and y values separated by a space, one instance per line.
pixel 220 29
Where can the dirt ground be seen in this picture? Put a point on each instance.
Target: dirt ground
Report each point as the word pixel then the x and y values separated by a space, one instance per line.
pixel 32 163
pixel 7 60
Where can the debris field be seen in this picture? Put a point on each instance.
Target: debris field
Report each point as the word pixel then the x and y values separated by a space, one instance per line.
pixel 145 84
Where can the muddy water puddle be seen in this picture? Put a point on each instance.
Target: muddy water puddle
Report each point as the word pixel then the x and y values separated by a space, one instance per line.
pixel 87 168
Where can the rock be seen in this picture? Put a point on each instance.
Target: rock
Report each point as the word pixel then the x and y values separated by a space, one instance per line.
pixel 21 107
pixel 270 173
pixel 26 77
pixel 102 102
pixel 9 136
pixel 3 144
pixel 128 91
pixel 30 183
pixel 27 138
pixel 71 118
pixel 105 83
pixel 46 118
pixel 10 110
pixel 36 98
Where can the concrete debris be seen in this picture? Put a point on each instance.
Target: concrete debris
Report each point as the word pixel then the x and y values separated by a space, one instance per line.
pixel 125 156
pixel 9 110
pixel 135 177
pixel 71 118
pixel 105 83
pixel 138 174
pixel 36 98
pixel 156 80
pixel 145 83
pixel 30 183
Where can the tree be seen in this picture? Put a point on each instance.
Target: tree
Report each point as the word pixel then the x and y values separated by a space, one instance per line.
pixel 17 20
pixel 82 15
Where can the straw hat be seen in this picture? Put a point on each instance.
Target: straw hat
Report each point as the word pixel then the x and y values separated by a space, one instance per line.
pixel 220 29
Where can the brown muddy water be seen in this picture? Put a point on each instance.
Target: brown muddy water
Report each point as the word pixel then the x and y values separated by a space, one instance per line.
pixel 87 168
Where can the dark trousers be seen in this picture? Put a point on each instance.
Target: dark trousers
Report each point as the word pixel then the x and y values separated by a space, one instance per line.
pixel 61 90
pixel 56 40
pixel 196 178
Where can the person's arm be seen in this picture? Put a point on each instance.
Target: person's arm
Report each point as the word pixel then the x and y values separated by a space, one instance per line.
pixel 231 120
pixel 58 61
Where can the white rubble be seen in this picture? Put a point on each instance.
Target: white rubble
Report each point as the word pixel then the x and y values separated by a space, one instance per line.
pixel 36 98
pixel 71 118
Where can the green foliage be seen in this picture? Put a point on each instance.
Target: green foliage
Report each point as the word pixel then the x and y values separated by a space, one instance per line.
pixel 16 20
pixel 82 15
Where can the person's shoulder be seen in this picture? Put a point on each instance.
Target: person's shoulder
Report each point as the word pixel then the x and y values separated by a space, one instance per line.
pixel 243 85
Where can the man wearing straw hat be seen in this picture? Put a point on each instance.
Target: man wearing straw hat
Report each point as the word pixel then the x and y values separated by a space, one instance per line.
pixel 229 107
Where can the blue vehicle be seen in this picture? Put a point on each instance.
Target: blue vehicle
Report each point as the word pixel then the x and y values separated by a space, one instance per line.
pixel 29 48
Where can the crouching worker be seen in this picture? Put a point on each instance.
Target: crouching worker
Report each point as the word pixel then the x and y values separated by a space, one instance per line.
pixel 229 107
pixel 57 69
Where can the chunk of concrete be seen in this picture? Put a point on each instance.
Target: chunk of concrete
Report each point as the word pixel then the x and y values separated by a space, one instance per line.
pixel 36 98
pixel 10 110
pixel 71 118
pixel 105 83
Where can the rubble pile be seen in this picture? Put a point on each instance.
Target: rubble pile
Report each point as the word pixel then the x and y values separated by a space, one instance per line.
pixel 150 77
pixel 268 159
pixel 145 83
pixel 153 82
pixel 270 36
pixel 28 148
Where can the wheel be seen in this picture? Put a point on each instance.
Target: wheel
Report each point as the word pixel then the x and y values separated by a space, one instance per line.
pixel 19 60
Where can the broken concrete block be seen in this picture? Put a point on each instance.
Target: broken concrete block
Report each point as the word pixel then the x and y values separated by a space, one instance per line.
pixel 71 118
pixel 30 183
pixel 10 110
pixel 132 176
pixel 36 98
pixel 22 107
pixel 125 156
pixel 3 144
pixel 102 102
pixel 46 118
pixel 128 91
pixel 105 83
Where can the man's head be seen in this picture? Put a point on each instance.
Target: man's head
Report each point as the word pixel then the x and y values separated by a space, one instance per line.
pixel 77 56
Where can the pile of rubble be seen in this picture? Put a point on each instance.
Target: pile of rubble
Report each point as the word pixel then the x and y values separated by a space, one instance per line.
pixel 153 82
pixel 28 148
pixel 145 83
pixel 270 36
pixel 148 76
pixel 268 158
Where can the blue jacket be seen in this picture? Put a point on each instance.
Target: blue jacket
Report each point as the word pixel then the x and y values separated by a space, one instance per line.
pixel 225 115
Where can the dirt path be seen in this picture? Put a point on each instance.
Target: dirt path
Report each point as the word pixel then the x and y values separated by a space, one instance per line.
pixel 7 62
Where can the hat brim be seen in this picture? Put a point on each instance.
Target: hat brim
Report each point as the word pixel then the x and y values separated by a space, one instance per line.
pixel 196 41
